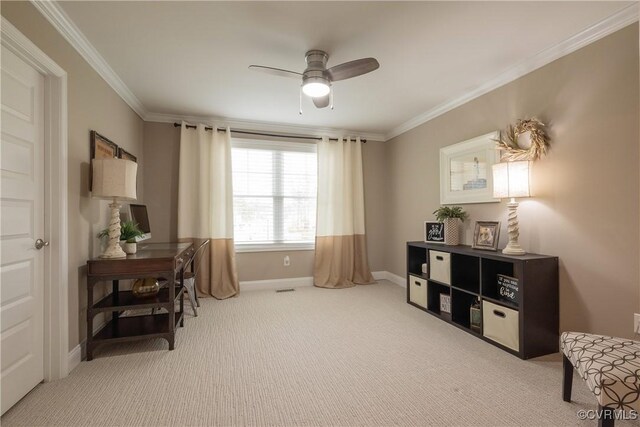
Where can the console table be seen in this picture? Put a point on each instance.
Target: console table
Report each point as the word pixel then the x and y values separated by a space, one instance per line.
pixel 151 260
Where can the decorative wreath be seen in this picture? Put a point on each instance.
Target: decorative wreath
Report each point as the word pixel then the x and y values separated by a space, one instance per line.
pixel 508 141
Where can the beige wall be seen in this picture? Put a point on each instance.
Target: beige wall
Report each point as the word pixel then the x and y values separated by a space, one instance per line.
pixel 92 104
pixel 161 154
pixel 586 204
pixel 375 202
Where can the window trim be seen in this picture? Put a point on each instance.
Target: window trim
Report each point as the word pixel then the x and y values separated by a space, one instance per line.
pixel 273 247
pixel 306 147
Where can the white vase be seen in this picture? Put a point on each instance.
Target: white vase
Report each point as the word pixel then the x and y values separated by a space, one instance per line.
pixel 452 231
pixel 130 248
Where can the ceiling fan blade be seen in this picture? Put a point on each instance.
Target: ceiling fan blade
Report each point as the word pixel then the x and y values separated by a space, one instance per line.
pixel 276 71
pixel 322 101
pixel 353 69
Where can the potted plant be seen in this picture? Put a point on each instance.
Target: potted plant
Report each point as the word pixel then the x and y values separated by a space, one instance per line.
pixel 128 232
pixel 452 217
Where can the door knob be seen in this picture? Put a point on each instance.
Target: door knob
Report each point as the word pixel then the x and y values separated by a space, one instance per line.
pixel 41 244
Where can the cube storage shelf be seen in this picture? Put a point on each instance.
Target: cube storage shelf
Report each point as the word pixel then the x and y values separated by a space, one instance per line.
pixel 527 326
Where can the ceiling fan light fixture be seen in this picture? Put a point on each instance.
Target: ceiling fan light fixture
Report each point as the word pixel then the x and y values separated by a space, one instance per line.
pixel 316 87
pixel 317 79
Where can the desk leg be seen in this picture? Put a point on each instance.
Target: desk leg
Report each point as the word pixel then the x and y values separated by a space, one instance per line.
pixel 171 279
pixel 90 283
pixel 116 296
pixel 182 298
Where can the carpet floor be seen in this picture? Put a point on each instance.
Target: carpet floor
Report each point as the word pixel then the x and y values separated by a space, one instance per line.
pixel 358 356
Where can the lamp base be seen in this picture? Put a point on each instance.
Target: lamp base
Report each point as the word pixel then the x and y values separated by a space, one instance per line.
pixel 513 249
pixel 114 250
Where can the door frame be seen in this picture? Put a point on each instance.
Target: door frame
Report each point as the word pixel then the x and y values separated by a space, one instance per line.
pixel 56 268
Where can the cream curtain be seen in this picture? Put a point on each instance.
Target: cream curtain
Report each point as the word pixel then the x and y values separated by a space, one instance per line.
pixel 341 249
pixel 205 206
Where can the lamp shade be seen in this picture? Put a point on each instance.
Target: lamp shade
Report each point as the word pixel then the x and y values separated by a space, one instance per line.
pixel 114 178
pixel 511 179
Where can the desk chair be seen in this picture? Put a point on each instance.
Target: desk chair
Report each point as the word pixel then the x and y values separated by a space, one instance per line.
pixel 190 277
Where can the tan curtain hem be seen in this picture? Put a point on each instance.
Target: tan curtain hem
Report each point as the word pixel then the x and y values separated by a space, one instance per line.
pixel 216 274
pixel 341 262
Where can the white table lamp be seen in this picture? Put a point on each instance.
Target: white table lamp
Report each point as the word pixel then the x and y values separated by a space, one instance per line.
pixel 114 179
pixel 511 179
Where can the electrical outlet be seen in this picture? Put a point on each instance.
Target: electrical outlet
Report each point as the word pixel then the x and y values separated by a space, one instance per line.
pixel 636 323
pixel 287 261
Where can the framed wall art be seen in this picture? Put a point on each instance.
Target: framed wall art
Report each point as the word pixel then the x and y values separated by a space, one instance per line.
pixel 465 170
pixel 486 235
pixel 123 154
pixel 100 148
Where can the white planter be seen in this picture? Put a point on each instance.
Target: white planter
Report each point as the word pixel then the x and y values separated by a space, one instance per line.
pixel 451 231
pixel 129 248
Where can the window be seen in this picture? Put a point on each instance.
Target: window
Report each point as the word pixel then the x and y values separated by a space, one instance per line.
pixel 274 195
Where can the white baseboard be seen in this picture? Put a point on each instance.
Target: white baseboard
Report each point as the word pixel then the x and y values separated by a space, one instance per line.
pixel 393 278
pixel 296 282
pixel 379 275
pixel 273 284
pixel 75 357
pixel 398 280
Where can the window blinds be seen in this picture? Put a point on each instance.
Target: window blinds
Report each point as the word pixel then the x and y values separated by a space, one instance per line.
pixel 274 192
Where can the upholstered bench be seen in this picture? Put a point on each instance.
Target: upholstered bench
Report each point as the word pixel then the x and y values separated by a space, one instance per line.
pixel 611 368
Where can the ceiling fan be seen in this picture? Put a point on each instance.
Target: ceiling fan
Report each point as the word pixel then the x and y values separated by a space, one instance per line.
pixel 317 78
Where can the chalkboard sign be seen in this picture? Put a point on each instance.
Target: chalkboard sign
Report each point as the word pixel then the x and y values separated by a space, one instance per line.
pixel 445 303
pixel 508 288
pixel 434 232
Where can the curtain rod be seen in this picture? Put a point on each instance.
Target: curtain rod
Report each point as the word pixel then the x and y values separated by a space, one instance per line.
pixel 245 132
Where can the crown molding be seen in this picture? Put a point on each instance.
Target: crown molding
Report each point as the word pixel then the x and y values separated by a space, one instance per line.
pixel 609 25
pixel 263 126
pixel 52 11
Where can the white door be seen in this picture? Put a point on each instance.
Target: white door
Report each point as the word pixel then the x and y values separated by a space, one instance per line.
pixel 21 223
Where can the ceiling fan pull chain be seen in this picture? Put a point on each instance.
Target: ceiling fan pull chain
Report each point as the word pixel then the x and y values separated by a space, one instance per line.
pixel 331 97
pixel 300 100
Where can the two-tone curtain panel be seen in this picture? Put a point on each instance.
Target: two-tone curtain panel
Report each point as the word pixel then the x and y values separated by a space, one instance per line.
pixel 341 247
pixel 205 206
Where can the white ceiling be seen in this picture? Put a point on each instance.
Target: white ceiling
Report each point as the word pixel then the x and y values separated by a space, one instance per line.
pixel 191 58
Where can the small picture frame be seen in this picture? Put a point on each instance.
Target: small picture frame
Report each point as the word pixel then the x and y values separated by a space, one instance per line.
pixel 100 148
pixel 445 303
pixel 434 232
pixel 124 154
pixel 486 235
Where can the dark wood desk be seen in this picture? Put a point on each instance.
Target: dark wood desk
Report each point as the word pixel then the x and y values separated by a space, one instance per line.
pixel 152 260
